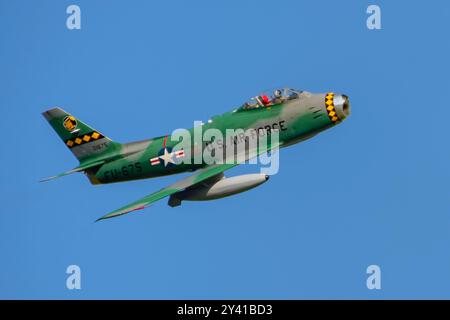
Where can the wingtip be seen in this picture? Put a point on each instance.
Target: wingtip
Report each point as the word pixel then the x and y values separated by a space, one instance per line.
pixel 108 217
pixel 105 217
pixel 117 214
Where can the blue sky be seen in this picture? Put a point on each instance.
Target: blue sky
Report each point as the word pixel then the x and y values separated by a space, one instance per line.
pixel 374 190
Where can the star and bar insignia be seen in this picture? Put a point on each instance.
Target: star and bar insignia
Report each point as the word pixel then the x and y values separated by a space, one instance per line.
pixel 167 156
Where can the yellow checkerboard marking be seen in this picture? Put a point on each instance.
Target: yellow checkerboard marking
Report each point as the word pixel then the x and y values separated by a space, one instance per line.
pixel 330 107
pixel 89 137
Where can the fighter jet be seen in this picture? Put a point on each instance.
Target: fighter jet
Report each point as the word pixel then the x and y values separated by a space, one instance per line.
pixel 293 114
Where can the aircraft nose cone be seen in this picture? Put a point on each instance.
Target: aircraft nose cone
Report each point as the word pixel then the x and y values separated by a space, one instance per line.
pixel 342 105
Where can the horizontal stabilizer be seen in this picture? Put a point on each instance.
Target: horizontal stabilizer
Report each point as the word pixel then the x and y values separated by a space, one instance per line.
pixel 77 169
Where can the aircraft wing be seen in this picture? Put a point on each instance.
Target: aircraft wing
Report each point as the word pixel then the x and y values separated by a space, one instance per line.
pixel 197 177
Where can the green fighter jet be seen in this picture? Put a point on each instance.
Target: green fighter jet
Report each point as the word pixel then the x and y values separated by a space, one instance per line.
pixel 289 115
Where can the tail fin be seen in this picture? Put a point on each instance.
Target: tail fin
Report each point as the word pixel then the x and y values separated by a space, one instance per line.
pixel 86 143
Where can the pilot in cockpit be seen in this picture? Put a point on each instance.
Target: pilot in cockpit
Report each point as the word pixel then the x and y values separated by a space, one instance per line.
pixel 277 97
pixel 265 100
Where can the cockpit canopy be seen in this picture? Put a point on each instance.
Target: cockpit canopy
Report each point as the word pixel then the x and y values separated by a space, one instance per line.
pixel 270 98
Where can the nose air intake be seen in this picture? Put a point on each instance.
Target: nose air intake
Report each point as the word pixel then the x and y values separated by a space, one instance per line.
pixel 343 106
pixel 338 106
